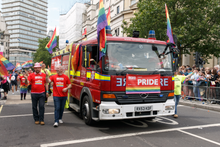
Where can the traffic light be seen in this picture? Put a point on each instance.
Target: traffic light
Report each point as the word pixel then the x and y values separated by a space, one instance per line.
pixel 196 58
pixel 201 61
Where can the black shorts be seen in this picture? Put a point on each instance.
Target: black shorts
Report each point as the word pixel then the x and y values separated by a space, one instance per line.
pixel 14 83
pixel 5 87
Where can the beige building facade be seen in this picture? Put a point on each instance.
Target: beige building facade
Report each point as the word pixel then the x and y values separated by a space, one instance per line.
pixel 120 10
pixel 4 38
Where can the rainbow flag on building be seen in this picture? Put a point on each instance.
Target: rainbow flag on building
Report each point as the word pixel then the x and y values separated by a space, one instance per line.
pixel 108 19
pixel 101 33
pixel 28 64
pixel 8 65
pixel 52 43
pixel 169 28
pixel 3 70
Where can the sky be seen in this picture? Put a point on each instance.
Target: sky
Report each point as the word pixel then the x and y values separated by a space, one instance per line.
pixel 54 9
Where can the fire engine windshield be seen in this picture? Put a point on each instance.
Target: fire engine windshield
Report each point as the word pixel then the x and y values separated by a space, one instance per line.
pixel 136 57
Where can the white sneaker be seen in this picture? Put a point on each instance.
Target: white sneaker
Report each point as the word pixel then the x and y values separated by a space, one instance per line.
pixel 55 124
pixel 60 121
pixel 13 93
pixel 47 104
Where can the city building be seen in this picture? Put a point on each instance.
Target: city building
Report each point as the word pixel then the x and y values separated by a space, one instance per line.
pixel 70 24
pixel 4 38
pixel 26 22
pixel 50 33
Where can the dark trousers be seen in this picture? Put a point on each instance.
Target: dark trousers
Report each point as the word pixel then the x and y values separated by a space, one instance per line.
pixel 38 98
pixel 59 103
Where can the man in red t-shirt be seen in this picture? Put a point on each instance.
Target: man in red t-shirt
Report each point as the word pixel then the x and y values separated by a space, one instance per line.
pixel 61 84
pixel 37 80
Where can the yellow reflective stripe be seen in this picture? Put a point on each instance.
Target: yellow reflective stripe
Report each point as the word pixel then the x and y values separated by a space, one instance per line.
pixel 88 75
pixel 172 78
pixel 76 74
pixel 102 77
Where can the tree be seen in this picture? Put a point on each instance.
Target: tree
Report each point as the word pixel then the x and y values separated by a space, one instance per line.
pixel 196 23
pixel 42 54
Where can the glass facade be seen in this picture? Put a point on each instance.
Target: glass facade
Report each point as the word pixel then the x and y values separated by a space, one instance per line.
pixel 26 22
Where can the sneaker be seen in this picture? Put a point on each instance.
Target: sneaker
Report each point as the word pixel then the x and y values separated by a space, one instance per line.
pixel 37 122
pixel 55 124
pixel 42 123
pixel 175 116
pixel 60 121
pixel 47 104
pixel 13 93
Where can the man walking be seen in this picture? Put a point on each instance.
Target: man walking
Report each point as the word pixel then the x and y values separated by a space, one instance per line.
pixel 61 84
pixel 14 78
pixel 37 80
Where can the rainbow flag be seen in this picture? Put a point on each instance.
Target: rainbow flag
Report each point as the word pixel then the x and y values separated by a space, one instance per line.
pixel 101 33
pixel 108 19
pixel 52 43
pixel 3 70
pixel 41 63
pixel 8 65
pixel 138 90
pixel 169 28
pixel 27 64
pixel 18 67
pixel 75 59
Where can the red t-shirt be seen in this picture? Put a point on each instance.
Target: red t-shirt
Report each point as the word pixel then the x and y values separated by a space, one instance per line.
pixel 22 79
pixel 37 82
pixel 59 83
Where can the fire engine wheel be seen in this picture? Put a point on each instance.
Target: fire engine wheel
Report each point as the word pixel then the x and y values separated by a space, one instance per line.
pixel 86 111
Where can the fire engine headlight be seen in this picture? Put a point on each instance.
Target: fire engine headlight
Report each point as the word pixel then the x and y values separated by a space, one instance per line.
pixel 111 111
pixel 169 107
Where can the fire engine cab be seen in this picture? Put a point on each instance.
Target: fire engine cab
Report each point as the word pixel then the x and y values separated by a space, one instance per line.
pixel 134 79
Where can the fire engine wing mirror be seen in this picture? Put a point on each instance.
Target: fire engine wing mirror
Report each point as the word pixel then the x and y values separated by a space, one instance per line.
pixel 154 48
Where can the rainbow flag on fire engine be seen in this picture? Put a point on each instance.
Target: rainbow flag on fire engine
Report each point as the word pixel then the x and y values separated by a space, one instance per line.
pixel 101 32
pixel 75 59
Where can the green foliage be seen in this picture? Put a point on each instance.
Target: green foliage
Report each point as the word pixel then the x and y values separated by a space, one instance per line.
pixel 195 22
pixel 42 54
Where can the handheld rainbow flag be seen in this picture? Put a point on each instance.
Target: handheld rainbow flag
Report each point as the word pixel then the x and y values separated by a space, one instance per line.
pixel 41 63
pixel 3 70
pixel 8 65
pixel 169 28
pixel 18 67
pixel 108 19
pixel 101 33
pixel 52 43
pixel 27 64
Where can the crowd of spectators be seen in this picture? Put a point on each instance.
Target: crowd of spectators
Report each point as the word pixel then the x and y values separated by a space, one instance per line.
pixel 204 83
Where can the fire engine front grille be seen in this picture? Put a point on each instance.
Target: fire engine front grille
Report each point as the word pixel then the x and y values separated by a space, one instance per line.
pixel 137 98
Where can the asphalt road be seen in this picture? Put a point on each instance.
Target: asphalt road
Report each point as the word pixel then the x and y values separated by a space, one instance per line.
pixel 193 128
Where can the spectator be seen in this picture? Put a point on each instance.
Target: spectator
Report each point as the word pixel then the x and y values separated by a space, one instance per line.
pixel 194 78
pixel 187 66
pixel 38 82
pixel 190 84
pixel 185 72
pixel 23 85
pixel 202 83
pixel 213 80
pixel 61 84
pixel 218 85
pixel 216 67
pixel 180 70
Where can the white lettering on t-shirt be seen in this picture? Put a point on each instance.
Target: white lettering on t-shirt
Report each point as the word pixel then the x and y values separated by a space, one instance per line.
pixel 60 79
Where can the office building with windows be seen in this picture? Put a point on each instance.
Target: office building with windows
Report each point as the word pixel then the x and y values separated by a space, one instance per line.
pixel 26 22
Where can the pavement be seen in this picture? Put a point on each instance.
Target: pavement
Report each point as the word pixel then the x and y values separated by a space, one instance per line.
pixel 200 104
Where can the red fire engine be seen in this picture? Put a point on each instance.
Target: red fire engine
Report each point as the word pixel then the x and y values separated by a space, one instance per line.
pixel 134 79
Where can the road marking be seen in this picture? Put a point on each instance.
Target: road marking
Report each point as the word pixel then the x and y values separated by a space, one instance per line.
pixel 1 108
pixel 199 137
pixel 125 135
pixel 9 116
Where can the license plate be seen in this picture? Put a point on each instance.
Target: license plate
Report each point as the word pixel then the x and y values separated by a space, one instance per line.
pixel 143 108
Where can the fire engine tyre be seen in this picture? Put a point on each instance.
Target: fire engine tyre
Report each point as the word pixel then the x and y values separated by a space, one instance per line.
pixel 86 111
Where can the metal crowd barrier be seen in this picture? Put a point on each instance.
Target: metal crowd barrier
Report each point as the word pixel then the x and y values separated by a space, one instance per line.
pixel 201 92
